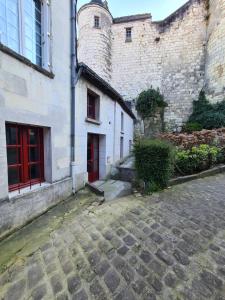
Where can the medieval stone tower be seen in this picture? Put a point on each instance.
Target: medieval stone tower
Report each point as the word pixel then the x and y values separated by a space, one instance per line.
pixel 180 55
pixel 95 37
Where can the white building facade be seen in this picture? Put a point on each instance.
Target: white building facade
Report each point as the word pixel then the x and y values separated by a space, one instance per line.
pixel 35 94
pixel 52 140
pixel 104 128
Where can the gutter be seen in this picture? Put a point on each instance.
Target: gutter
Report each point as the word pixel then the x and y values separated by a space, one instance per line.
pixel 74 64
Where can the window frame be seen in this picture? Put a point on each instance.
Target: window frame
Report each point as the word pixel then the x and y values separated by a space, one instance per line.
pixel 95 106
pixel 128 36
pixel 46 62
pixel 24 162
pixel 97 23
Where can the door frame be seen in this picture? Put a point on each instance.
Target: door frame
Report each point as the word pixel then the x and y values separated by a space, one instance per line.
pixel 94 175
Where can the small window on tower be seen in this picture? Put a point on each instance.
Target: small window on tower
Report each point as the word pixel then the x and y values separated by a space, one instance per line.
pixel 128 34
pixel 97 22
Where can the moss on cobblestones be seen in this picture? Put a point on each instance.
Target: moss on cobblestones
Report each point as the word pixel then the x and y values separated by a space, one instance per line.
pixel 27 240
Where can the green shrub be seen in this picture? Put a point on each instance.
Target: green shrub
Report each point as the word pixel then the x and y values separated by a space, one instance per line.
pixel 148 103
pixel 221 156
pixel 208 115
pixel 197 159
pixel 191 127
pixel 154 163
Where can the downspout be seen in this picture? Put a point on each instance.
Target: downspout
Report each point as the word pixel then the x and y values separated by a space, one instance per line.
pixel 73 85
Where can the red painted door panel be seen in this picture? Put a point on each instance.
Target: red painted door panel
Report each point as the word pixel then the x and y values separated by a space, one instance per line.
pixel 93 157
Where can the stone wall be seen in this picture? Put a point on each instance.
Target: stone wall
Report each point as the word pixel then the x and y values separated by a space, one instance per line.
pixel 215 58
pixel 179 55
pixel 95 43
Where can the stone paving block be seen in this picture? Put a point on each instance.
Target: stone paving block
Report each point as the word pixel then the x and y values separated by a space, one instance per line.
pixel 156 238
pixel 139 286
pixel 211 280
pixel 35 274
pixel 97 290
pixel 146 256
pixel 125 294
pixel 39 292
pixel 102 268
pixel 112 280
pixel 56 282
pixel 167 259
pixel 16 290
pixel 73 283
pixel 170 280
pixel 129 240
pixel 81 295
pixel 123 250
pixel 181 257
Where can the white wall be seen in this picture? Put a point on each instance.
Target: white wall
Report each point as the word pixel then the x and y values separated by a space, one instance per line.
pixel 109 131
pixel 29 97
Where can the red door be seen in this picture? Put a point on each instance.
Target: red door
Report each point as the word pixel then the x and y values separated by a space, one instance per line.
pixel 93 157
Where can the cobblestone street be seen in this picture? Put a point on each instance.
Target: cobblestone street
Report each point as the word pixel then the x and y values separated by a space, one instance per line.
pixel 167 246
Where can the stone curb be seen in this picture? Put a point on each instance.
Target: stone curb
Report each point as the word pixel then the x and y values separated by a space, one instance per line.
pixel 210 172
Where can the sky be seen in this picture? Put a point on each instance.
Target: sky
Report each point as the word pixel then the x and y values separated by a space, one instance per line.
pixel 160 9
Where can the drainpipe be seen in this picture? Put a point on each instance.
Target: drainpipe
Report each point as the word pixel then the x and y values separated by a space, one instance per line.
pixel 73 85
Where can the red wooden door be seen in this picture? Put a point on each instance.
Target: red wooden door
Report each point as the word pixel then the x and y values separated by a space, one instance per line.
pixel 93 157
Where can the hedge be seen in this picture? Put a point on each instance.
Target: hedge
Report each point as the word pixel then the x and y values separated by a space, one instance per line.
pixel 154 163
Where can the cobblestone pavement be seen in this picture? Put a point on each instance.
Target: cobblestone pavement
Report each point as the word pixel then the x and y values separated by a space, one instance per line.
pixel 168 246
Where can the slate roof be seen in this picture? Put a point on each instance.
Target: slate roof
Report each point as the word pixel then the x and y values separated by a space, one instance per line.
pixel 96 80
pixel 132 18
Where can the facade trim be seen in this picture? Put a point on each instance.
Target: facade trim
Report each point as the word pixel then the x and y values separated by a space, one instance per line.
pixel 26 61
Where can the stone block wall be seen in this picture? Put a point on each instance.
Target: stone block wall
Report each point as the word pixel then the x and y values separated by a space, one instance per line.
pixel 179 55
pixel 215 57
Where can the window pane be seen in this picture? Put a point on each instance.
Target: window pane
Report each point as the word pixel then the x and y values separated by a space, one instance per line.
pixel 33 154
pixel 35 172
pixel 33 136
pixel 13 176
pixel 13 156
pixel 11 135
pixel 9 24
pixel 32 19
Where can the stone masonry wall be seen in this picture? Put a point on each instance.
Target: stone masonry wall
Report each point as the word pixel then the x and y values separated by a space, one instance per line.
pixel 179 55
pixel 95 43
pixel 168 55
pixel 215 59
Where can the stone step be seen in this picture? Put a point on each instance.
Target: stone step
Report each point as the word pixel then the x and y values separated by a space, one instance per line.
pixel 113 188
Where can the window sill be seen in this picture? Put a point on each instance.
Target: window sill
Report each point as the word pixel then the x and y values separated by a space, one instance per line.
pixel 128 41
pixel 28 189
pixel 96 122
pixel 26 61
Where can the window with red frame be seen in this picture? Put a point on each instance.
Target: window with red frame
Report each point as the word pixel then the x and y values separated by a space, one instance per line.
pixel 25 155
pixel 92 106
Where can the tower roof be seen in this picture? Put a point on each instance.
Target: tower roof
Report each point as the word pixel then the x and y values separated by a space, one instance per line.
pixel 97 1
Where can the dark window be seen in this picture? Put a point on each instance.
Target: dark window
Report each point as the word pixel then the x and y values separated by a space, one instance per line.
pixel 97 22
pixel 128 34
pixel 122 122
pixel 121 147
pixel 92 106
pixel 25 155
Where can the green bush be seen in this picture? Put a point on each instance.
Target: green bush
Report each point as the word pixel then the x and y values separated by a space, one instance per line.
pixel 148 103
pixel 191 127
pixel 154 163
pixel 197 159
pixel 208 115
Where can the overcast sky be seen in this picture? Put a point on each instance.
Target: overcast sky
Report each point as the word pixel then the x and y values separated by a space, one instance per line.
pixel 160 9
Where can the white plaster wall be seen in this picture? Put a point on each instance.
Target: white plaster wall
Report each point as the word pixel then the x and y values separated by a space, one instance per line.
pixel 29 97
pixel 109 132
